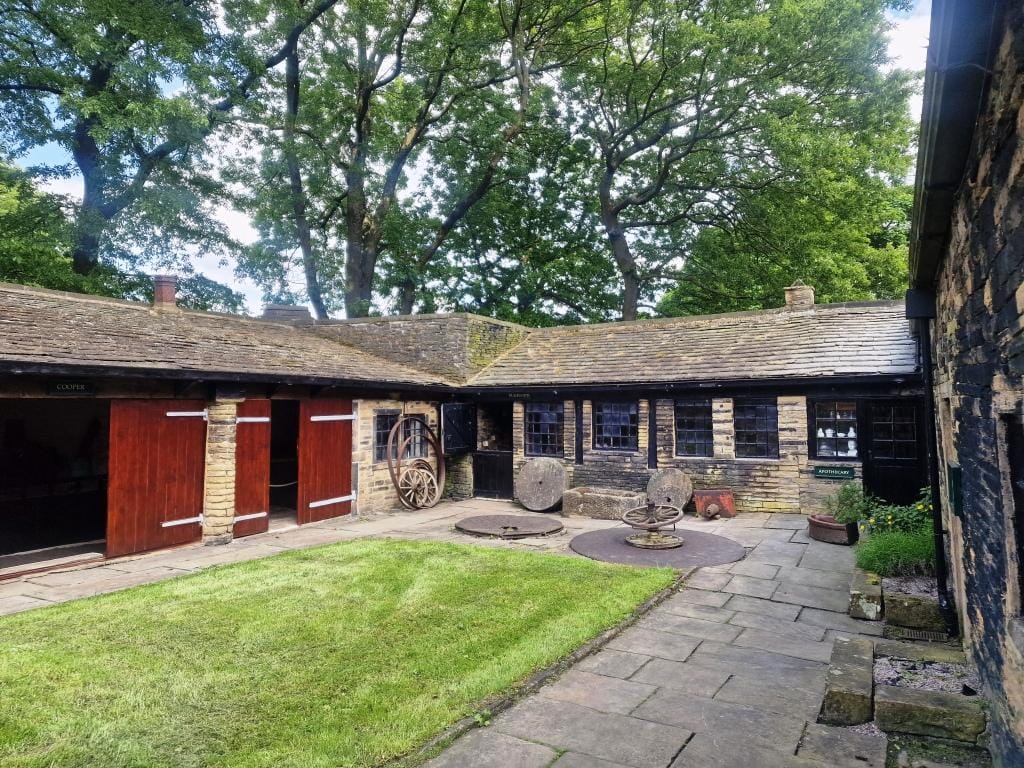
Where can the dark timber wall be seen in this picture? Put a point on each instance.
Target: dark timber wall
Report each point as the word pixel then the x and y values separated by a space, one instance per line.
pixel 979 349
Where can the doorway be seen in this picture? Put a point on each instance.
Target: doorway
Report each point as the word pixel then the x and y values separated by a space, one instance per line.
pixel 894 463
pixel 493 461
pixel 284 463
pixel 53 481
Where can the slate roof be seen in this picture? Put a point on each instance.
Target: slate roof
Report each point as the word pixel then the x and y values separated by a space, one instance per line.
pixel 43 330
pixel 856 339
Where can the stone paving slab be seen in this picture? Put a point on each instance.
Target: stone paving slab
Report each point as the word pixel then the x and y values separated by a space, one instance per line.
pixel 839 621
pixel 779 626
pixel 612 663
pixel 695 611
pixel 726 751
pixel 748 585
pixel 605 694
pixel 664 645
pixel 690 676
pixel 813 597
pixel 490 749
pixel 841 746
pixel 577 760
pixel 634 742
pixel 698 596
pixel 663 621
pixel 784 644
pixel 767 607
pixel 757 570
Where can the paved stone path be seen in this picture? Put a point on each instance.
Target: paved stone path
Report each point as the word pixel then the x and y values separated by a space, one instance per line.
pixel 727 672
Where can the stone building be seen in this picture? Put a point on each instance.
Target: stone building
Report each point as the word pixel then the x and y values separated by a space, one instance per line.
pixel 967 272
pixel 127 427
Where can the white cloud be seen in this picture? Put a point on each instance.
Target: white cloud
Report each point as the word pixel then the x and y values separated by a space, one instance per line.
pixel 908 44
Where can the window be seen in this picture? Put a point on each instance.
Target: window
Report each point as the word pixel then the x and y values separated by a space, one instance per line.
pixel 893 431
pixel 384 422
pixel 694 433
pixel 757 428
pixel 615 426
pixel 544 429
pixel 835 429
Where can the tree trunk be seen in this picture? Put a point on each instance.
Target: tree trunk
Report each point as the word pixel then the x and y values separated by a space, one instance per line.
pixel 406 298
pixel 296 188
pixel 621 252
pixel 360 251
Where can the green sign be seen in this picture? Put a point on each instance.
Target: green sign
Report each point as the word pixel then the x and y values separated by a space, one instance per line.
pixel 834 473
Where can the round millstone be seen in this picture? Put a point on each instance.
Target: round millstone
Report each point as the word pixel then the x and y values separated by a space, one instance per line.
pixel 540 484
pixel 671 487
pixel 509 526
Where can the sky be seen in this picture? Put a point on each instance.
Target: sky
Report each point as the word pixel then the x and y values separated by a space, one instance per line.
pixel 908 42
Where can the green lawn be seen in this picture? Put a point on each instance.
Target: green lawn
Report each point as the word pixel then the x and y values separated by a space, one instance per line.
pixel 344 655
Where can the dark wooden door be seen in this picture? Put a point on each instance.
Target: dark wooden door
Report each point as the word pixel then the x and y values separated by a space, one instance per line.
pixel 492 474
pixel 156 472
pixel 894 462
pixel 325 459
pixel 252 468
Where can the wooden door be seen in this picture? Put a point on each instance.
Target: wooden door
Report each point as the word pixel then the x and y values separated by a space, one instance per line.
pixel 894 463
pixel 252 468
pixel 156 472
pixel 493 474
pixel 325 459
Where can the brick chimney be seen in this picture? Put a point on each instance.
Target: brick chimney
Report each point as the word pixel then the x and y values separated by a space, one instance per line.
pixel 799 296
pixel 165 291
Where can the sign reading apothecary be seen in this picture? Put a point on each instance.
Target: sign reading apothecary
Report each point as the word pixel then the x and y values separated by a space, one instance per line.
pixel 835 473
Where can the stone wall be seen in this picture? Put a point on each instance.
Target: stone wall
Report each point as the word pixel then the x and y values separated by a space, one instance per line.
pixel 786 484
pixel 979 356
pixel 374 490
pixel 456 346
pixel 219 480
pixel 568 456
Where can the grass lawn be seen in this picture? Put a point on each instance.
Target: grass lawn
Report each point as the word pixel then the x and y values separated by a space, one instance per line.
pixel 344 655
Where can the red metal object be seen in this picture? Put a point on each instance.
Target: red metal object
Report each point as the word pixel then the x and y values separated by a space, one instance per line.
pixel 252 468
pixel 156 472
pixel 715 501
pixel 325 459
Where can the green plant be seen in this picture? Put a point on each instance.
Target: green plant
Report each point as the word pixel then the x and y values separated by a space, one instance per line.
pixel 898 553
pixel 850 504
pixel 482 718
pixel 908 518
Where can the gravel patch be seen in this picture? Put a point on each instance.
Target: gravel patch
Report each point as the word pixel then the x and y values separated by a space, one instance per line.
pixel 920 586
pixel 867 729
pixel 925 675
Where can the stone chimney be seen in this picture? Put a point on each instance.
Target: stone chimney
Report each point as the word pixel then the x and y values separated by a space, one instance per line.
pixel 165 291
pixel 287 313
pixel 799 296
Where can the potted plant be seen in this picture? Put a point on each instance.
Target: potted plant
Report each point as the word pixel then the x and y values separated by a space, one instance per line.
pixel 843 511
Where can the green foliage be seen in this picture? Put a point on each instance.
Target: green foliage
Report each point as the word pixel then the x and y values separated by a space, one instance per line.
pixel 850 504
pixel 898 553
pixel 896 517
pixel 346 655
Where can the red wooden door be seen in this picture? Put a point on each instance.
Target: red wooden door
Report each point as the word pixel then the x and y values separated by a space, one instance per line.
pixel 156 469
pixel 252 468
pixel 325 459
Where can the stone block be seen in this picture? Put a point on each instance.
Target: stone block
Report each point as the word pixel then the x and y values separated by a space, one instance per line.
pixel 848 683
pixel 929 713
pixel 930 652
pixel 600 503
pixel 840 746
pixel 865 595
pixel 914 612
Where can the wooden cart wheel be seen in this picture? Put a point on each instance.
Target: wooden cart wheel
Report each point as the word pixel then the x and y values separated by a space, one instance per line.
pixel 418 483
pixel 652 516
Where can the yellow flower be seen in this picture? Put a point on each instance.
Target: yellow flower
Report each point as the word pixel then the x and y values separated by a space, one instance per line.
pixel 871 519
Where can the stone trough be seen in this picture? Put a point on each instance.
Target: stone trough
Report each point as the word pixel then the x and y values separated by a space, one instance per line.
pixel 601 503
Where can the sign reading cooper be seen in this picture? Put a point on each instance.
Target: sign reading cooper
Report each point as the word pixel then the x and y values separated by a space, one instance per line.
pixel 71 388
pixel 834 473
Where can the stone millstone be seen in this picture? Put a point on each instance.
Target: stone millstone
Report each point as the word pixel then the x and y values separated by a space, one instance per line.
pixel 509 526
pixel 672 487
pixel 540 484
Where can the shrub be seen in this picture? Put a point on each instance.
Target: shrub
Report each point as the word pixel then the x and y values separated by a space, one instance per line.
pixel 898 553
pixel 850 504
pixel 909 518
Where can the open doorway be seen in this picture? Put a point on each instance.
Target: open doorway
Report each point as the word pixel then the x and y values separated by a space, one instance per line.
pixel 53 482
pixel 493 460
pixel 284 463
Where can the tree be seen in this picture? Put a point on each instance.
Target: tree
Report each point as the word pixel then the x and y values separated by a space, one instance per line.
pixel 35 239
pixel 131 89
pixel 371 87
pixel 686 105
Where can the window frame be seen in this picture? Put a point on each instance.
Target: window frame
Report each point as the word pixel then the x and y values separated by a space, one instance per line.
pixel 558 434
pixel 709 442
pixel 812 429
pixel 757 402
pixel 634 425
pixel 380 437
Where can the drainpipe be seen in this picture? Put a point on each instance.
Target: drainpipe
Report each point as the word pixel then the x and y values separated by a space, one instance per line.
pixel 921 307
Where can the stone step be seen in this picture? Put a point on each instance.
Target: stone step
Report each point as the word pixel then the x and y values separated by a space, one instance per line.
pixel 929 713
pixel 848 683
